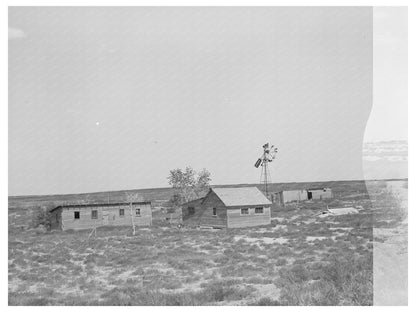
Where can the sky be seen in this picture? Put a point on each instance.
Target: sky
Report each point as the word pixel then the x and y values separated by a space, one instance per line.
pixel 388 118
pixel 113 98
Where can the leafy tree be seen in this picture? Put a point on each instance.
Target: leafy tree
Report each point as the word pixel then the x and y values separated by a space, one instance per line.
pixel 42 216
pixel 188 184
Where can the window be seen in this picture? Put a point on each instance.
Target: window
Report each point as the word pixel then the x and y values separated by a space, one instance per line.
pixel 214 211
pixel 244 211
pixel 76 214
pixel 94 214
pixel 258 210
pixel 121 212
pixel 191 210
pixel 138 212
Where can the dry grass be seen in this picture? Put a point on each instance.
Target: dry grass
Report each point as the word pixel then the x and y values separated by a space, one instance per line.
pixel 168 266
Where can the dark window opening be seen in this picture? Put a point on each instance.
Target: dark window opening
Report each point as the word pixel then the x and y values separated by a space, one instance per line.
pixel 191 210
pixel 76 214
pixel 258 210
pixel 214 211
pixel 94 214
pixel 121 212
pixel 137 212
pixel 244 211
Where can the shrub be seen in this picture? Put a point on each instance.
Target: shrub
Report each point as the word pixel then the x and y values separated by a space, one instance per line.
pixel 41 217
pixel 341 283
pixel 353 279
pixel 265 301
pixel 281 262
pixel 306 294
pixel 297 274
pixel 218 291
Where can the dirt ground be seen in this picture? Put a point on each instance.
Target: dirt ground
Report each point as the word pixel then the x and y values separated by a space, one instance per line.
pixel 300 259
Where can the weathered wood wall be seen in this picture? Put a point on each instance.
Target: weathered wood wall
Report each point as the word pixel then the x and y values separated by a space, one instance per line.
pixel 106 216
pixel 321 194
pixel 226 216
pixel 236 220
pixel 203 212
pixel 196 204
pixel 207 218
pixel 56 216
pixel 294 195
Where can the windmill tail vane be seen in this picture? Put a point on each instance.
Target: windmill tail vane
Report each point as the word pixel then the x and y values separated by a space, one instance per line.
pixel 269 154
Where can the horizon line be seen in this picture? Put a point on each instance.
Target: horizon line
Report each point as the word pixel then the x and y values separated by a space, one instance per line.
pixel 213 185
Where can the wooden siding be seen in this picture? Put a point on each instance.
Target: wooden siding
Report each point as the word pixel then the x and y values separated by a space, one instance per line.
pixel 321 194
pixel 236 220
pixel 207 218
pixel 56 217
pixel 294 195
pixel 203 212
pixel 106 216
pixel 196 204
pixel 226 216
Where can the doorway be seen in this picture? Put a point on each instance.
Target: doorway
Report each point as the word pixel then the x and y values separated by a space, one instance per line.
pixel 105 217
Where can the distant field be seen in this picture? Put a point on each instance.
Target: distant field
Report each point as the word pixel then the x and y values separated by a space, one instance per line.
pixel 300 259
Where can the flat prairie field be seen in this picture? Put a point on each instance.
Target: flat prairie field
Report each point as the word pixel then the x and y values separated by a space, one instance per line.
pixel 302 258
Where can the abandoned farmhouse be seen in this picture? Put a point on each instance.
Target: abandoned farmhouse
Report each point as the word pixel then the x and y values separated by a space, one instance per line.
pixel 89 216
pixel 228 208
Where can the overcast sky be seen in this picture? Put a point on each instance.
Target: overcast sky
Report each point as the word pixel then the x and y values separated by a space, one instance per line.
pixel 113 98
pixel 388 118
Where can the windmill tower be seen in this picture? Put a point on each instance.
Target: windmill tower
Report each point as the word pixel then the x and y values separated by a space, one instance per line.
pixel 269 154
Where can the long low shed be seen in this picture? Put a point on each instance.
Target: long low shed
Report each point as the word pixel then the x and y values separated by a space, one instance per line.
pixel 284 197
pixel 88 216
pixel 320 193
pixel 288 196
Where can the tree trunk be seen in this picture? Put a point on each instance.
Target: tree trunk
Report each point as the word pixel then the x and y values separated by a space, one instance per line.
pixel 132 218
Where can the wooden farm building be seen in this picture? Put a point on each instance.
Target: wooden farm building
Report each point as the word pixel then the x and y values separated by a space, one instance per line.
pixel 228 208
pixel 319 193
pixel 88 216
pixel 284 197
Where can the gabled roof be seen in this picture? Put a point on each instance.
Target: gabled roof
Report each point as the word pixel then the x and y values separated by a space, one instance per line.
pixel 240 196
pixel 195 201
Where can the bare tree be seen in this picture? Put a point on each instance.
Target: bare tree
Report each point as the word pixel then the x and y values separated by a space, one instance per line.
pixel 130 198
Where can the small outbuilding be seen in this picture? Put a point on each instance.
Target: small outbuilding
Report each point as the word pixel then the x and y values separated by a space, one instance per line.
pixel 228 208
pixel 88 216
pixel 319 193
pixel 284 197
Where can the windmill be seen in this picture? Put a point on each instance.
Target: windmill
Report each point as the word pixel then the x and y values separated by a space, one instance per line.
pixel 269 154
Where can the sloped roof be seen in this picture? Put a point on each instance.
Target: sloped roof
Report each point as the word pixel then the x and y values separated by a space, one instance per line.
pixel 92 205
pixel 195 201
pixel 241 196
